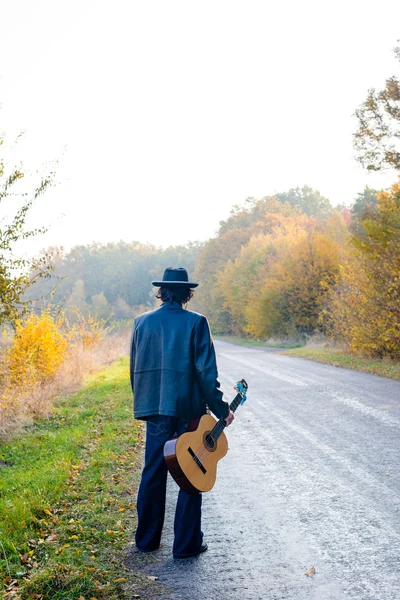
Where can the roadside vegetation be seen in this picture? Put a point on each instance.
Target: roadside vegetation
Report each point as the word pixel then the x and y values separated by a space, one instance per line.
pixel 251 343
pixel 330 356
pixel 44 356
pixel 68 487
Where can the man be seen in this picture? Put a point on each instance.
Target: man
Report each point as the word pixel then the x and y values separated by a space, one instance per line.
pixel 174 379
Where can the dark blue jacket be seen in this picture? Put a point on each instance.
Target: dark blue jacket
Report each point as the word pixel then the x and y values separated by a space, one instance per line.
pixel 173 366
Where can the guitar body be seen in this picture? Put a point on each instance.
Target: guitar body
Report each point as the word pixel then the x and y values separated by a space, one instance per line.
pixel 192 458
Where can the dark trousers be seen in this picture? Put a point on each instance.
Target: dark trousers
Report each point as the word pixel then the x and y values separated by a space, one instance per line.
pixel 152 491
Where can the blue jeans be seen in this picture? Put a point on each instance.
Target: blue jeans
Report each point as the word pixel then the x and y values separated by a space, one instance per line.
pixel 152 491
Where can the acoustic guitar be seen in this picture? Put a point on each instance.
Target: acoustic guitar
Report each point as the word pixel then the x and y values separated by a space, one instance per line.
pixel 192 457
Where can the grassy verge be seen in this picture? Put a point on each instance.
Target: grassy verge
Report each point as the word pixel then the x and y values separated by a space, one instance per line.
pixel 67 493
pixel 254 343
pixel 385 368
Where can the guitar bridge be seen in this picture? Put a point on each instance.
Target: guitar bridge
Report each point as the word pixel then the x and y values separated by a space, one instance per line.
pixel 197 460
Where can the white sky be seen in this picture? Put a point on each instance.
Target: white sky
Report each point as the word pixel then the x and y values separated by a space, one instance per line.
pixel 173 111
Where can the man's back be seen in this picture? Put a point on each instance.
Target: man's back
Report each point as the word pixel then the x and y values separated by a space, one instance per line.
pixel 173 367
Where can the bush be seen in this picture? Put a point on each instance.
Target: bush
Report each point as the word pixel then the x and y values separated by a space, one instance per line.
pixel 37 351
pixel 47 356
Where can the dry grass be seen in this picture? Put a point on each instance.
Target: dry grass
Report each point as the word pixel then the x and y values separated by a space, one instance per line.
pixel 21 405
pixel 342 358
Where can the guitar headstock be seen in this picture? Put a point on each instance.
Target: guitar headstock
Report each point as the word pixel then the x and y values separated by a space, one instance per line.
pixel 242 388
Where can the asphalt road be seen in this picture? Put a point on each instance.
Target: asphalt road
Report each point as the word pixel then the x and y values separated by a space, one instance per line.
pixel 311 480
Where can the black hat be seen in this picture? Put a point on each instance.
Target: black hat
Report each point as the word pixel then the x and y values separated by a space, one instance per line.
pixel 174 277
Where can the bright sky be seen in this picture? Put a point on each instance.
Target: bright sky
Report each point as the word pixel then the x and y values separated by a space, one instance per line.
pixel 164 114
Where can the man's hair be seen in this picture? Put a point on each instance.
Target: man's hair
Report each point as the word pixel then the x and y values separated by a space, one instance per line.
pixel 181 294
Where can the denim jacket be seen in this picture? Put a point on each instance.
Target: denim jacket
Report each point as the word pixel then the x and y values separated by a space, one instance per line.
pixel 172 365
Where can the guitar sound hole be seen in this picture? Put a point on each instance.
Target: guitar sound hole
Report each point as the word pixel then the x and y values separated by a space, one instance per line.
pixel 209 442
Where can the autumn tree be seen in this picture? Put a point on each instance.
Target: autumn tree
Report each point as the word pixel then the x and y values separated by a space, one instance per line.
pixel 365 304
pixel 255 217
pixel 302 268
pixel 241 279
pixel 212 259
pixel 308 201
pixel 17 274
pixel 377 140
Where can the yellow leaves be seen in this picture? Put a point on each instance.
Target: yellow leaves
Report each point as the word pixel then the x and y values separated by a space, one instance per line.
pixel 47 511
pixel 87 330
pixel 37 351
pixel 43 356
pixel 277 284
pixel 364 308
pixel 62 548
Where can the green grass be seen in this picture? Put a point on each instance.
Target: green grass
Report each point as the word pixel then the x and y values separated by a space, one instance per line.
pixel 385 368
pixel 67 494
pixel 256 344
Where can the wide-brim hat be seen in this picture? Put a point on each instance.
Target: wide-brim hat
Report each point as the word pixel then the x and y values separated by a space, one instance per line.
pixel 174 277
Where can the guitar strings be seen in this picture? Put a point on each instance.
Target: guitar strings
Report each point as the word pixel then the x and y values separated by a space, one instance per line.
pixel 218 428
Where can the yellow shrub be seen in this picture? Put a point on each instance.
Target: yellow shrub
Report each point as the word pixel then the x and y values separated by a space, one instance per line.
pixel 38 350
pixel 87 330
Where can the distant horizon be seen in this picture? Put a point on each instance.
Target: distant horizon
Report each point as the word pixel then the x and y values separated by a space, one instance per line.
pixel 162 245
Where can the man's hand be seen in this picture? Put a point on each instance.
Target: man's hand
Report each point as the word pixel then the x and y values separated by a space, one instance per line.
pixel 229 418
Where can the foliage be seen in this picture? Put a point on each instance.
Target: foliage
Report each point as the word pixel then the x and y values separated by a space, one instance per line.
pixel 253 212
pixel 109 280
pixel 364 309
pixel 256 217
pixel 37 351
pixel 300 270
pixel 308 201
pixel 364 204
pixel 208 298
pixel 87 330
pixel 377 139
pixel 47 355
pixel 17 274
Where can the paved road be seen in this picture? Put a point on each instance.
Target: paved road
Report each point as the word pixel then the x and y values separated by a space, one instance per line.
pixel 311 479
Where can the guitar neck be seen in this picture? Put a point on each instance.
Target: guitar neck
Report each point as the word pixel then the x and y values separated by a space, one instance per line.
pixel 220 426
pixel 236 402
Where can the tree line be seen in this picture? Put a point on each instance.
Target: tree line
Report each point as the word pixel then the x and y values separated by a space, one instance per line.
pixel 274 271
pixel 283 266
pixel 109 281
